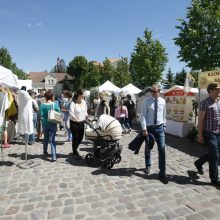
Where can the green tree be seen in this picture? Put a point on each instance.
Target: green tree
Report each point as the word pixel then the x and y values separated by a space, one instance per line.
pixel 122 74
pixel 107 72
pixel 67 84
pixel 92 78
pixel 169 81
pixel 78 68
pixel 147 61
pixel 7 62
pixel 199 35
pixel 180 77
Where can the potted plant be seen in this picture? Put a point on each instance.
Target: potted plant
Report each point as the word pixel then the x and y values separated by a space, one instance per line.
pixel 192 135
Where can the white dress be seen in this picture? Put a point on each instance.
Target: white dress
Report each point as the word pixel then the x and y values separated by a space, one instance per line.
pixel 25 113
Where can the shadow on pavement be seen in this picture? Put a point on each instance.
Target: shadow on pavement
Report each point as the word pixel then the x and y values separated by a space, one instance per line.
pixel 185 145
pixel 192 177
pixel 6 163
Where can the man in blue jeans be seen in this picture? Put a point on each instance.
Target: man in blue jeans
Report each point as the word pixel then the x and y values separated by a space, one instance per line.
pixel 209 132
pixel 153 121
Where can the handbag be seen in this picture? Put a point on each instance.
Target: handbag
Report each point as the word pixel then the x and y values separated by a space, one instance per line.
pixel 54 116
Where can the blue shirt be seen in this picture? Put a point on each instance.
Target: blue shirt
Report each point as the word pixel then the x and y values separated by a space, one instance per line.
pixel 147 112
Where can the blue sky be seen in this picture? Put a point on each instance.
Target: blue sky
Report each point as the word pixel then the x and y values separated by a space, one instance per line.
pixel 36 32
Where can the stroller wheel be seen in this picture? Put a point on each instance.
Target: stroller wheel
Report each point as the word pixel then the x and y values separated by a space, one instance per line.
pixel 90 159
pixel 118 159
pixel 109 163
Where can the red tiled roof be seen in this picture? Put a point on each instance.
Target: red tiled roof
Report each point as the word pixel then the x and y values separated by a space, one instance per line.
pixel 37 77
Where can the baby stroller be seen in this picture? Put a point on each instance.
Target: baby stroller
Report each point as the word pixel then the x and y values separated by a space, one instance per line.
pixel 105 134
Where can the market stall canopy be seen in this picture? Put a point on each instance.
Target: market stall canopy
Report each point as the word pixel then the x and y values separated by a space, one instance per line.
pixel 7 78
pixel 180 90
pixel 130 89
pixel 205 78
pixel 108 87
pixel 27 83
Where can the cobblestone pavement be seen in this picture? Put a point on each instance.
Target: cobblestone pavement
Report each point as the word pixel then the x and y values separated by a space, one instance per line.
pixel 68 189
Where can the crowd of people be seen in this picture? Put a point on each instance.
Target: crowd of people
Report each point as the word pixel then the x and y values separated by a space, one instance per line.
pixel 153 121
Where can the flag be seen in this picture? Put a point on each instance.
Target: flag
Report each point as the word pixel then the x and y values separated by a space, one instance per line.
pixel 189 82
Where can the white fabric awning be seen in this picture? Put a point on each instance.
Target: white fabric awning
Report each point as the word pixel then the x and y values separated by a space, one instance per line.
pixel 108 87
pixel 7 78
pixel 130 89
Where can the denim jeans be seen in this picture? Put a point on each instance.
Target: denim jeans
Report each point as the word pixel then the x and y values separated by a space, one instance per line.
pixel 124 123
pixel 67 127
pixel 49 137
pixel 160 139
pixel 32 136
pixel 213 142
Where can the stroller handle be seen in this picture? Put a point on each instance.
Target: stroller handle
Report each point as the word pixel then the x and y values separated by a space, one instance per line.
pixel 90 125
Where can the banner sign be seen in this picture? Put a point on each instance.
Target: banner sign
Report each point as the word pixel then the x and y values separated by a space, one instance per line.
pixel 205 78
pixel 178 92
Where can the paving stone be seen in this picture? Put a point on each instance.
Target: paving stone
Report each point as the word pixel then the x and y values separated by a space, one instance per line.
pixel 68 210
pixel 68 202
pixel 209 214
pixel 38 214
pixel 28 208
pixel 183 211
pixel 53 213
pixel 12 210
pixel 43 205
pixel 104 217
pixel 120 215
pixel 170 215
pixel 157 217
pixel 56 203
pixel 195 217
pixel 21 217
pixel 92 198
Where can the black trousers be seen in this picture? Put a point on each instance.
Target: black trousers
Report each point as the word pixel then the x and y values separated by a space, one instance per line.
pixel 77 130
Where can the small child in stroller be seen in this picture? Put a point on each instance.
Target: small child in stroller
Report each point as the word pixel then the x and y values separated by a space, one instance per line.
pixel 105 135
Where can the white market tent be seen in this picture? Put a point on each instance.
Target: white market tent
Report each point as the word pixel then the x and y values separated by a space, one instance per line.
pixel 108 87
pixel 27 83
pixel 130 89
pixel 7 78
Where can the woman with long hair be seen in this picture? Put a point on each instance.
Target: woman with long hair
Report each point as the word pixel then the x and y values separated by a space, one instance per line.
pixel 49 128
pixel 78 115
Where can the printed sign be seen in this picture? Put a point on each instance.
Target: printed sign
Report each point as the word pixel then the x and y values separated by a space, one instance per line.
pixel 205 78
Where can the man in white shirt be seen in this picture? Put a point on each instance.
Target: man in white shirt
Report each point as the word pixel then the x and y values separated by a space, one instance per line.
pixel 153 121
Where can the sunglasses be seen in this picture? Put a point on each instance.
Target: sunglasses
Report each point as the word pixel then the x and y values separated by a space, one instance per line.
pixel 155 91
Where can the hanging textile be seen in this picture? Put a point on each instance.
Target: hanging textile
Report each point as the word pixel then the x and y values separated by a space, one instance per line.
pixel 4 104
pixel 25 113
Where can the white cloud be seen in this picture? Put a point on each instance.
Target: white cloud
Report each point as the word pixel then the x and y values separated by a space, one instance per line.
pixel 39 24
pixel 29 25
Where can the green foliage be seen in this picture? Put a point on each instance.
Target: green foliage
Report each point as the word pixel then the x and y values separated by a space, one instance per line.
pixel 107 72
pixel 6 61
pixel 169 81
pixel 147 61
pixel 122 75
pixel 67 84
pixel 199 35
pixel 92 78
pixel 180 78
pixel 78 68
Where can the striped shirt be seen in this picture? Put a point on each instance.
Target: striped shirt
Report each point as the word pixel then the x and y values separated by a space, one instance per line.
pixel 212 116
